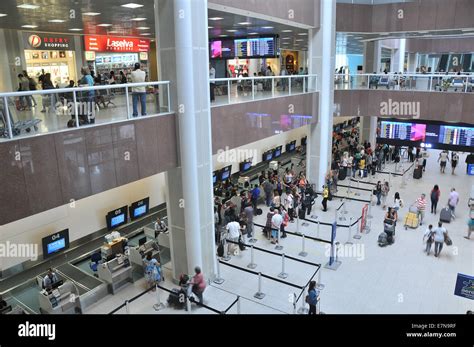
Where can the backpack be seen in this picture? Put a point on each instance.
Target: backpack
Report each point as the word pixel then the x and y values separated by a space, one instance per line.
pixel 434 195
pixel 306 299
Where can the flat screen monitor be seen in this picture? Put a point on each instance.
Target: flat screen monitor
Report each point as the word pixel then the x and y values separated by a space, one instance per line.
pixel 225 173
pixel 290 147
pixel 139 208
pixel 117 248
pixel 214 178
pixel 303 141
pixel 117 218
pixel 55 243
pixel 245 166
pixel 142 241
pixel 267 156
pixel 259 47
pixel 277 152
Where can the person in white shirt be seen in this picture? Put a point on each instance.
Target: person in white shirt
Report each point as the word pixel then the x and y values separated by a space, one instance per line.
pixel 453 201
pixel 138 93
pixel 160 227
pixel 428 237
pixel 233 230
pixel 212 75
pixel 442 159
pixel 277 219
pixel 439 235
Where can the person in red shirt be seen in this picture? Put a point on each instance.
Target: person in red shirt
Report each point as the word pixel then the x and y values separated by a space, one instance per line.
pixel 198 284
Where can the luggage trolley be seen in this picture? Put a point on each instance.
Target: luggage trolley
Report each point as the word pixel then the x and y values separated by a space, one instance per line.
pixel 411 219
pixel 17 127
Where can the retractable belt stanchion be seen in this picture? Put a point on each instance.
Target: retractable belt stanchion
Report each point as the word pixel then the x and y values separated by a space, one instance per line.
pixel 226 256
pixel 159 305
pixel 319 225
pixel 298 224
pixel 259 294
pixel 294 303
pixel 283 274
pixel 252 264
pixel 319 284
pixel 349 242
pixel 188 305
pixel 303 253
pixel 278 246
pixel 218 279
pixel 350 184
pixel 344 210
pixel 127 306
pixel 357 235
pixel 369 211
pixel 238 305
pixel 358 186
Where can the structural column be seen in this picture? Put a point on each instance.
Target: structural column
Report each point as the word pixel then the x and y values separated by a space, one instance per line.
pixel 321 62
pixel 398 57
pixel 183 59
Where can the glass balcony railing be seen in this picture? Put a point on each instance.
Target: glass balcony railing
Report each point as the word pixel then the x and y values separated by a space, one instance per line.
pixel 441 82
pixel 235 90
pixel 47 111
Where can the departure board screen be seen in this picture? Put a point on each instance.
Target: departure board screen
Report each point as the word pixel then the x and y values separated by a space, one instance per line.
pixel 453 135
pixel 403 131
pixel 255 47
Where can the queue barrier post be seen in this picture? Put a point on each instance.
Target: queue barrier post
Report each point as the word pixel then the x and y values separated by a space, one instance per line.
pixel 259 294
pixel 344 210
pixel 188 305
pixel 319 224
pixel 319 284
pixel 369 212
pixel 278 246
pixel 127 306
pixel 357 235
pixel 159 305
pixel 303 253
pixel 349 242
pixel 238 305
pixel 294 303
pixel 358 186
pixel 252 264
pixel 367 227
pixel 226 256
pixel 298 224
pixel 283 274
pixel 218 279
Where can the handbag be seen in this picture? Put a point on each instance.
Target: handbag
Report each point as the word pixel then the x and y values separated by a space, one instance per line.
pixel 447 240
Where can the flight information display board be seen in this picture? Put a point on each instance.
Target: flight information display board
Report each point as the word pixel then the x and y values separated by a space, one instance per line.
pixel 453 135
pixel 403 131
pixel 255 47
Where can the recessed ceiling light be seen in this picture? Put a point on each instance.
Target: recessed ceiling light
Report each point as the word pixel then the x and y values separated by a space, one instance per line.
pixel 244 23
pixel 302 34
pixel 91 13
pixel 104 25
pixel 56 21
pixel 75 29
pixel 29 26
pixel 286 38
pixel 466 29
pixel 216 18
pixel 231 31
pixel 132 5
pixel 253 33
pixel 145 34
pixel 267 27
pixel 299 40
pixel 223 35
pixel 138 19
pixel 287 31
pixel 28 6
pixel 210 27
pixel 3 15
pixel 113 32
pixel 143 28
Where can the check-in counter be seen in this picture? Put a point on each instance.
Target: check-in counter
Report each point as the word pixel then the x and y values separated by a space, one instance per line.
pixel 163 238
pixel 137 253
pixel 62 300
pixel 116 273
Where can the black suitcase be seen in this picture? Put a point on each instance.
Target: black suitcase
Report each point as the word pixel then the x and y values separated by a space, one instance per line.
pixel 373 170
pixel 301 213
pixel 417 173
pixel 342 174
pixel 445 215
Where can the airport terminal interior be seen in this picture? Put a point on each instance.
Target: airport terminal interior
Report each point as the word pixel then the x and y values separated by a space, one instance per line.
pixel 236 157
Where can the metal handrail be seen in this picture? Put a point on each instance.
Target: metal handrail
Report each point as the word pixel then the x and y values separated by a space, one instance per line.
pixel 250 78
pixel 407 74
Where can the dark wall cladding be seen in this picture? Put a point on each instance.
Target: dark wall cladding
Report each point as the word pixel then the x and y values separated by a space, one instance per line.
pixel 298 11
pixel 43 172
pixel 458 45
pixel 239 124
pixel 440 106
pixel 409 16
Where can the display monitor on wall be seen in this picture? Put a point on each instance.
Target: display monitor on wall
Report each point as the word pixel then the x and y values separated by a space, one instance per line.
pixel 277 152
pixel 290 147
pixel 225 173
pixel 429 134
pixel 55 243
pixel 245 166
pixel 267 156
pixel 245 48
pixel 117 218
pixel 139 208
pixel 214 177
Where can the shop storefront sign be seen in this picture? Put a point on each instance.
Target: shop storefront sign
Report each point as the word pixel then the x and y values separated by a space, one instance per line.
pixel 464 286
pixel 50 42
pixel 116 44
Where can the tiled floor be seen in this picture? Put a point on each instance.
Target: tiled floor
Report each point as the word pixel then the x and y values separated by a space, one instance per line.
pixel 399 278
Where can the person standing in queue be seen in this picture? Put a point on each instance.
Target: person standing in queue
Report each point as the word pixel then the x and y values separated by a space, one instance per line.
pixel 198 284
pixel 312 298
pixel 212 84
pixel 325 198
pixel 138 93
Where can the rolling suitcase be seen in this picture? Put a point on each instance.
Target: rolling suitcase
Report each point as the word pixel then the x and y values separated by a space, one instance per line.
pixel 445 215
pixel 342 174
pixel 417 173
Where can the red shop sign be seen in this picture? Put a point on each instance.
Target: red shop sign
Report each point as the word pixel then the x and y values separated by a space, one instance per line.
pixel 116 44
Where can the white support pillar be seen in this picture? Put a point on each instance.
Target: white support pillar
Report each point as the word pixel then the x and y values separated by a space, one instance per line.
pixel 321 62
pixel 372 56
pixel 183 35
